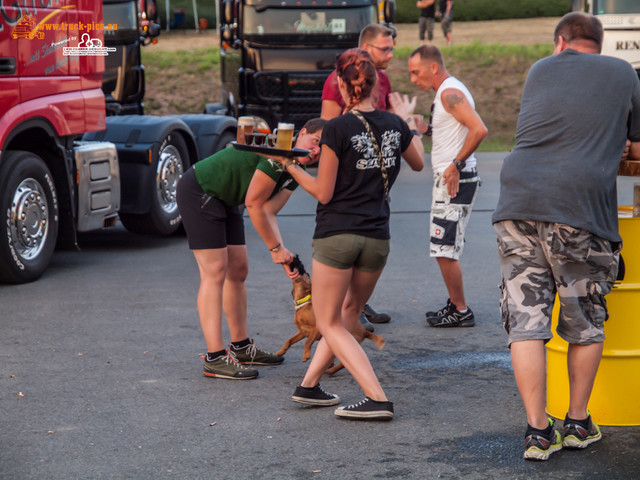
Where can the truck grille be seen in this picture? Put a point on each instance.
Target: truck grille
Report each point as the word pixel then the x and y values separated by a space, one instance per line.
pixel 291 96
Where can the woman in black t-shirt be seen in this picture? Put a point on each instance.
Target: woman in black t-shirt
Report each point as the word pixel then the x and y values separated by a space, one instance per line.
pixel 351 239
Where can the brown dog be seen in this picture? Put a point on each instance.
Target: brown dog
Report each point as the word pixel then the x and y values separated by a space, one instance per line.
pixel 305 320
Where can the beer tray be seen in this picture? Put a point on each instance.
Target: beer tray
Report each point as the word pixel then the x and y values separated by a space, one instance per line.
pixel 261 149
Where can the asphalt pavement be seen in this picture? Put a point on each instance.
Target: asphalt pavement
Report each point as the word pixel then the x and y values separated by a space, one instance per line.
pixel 101 376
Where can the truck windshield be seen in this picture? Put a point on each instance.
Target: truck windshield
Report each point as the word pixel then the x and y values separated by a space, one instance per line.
pixel 336 23
pixel 124 15
pixel 604 7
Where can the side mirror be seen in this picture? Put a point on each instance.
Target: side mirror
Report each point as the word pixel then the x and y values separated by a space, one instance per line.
pixel 154 30
pixel 390 11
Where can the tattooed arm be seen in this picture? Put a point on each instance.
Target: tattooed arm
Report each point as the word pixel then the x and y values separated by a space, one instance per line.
pixel 455 103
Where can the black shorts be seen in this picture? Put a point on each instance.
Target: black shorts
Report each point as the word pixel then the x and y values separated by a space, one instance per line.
pixel 209 222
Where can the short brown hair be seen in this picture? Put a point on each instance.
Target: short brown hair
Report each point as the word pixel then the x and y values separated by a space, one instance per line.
pixel 314 125
pixel 579 26
pixel 429 53
pixel 371 31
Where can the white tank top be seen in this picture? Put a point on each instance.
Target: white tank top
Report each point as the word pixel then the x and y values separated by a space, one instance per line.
pixel 448 134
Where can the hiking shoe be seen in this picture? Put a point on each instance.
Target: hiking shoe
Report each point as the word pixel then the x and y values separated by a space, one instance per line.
pixel 441 311
pixel 577 436
pixel 367 409
pixel 368 326
pixel 314 396
pixel 375 317
pixel 226 366
pixel 252 355
pixel 453 318
pixel 540 447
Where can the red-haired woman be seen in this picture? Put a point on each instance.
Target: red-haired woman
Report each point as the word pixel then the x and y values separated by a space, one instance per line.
pixel 359 161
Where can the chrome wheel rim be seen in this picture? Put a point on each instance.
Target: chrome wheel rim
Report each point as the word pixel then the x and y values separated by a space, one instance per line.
pixel 29 219
pixel 170 170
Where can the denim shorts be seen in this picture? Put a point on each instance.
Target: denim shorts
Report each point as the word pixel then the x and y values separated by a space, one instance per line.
pixel 540 259
pixel 347 250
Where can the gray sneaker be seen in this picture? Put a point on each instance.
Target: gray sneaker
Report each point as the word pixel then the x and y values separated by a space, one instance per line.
pixel 226 366
pixel 252 355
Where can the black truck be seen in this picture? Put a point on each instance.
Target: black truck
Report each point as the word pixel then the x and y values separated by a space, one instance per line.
pixel 275 55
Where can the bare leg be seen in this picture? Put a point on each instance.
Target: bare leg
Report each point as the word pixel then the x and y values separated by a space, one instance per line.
pixel 337 292
pixel 529 369
pixel 452 276
pixel 582 363
pixel 213 268
pixel 234 298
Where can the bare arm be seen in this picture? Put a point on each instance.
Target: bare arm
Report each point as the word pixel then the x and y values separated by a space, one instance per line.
pixel 424 3
pixel 263 210
pixel 322 186
pixel 455 102
pixel 449 5
pixel 330 109
pixel 404 108
pixel 634 151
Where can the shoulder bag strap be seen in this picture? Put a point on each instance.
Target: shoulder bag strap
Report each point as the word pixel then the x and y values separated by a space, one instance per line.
pixel 374 142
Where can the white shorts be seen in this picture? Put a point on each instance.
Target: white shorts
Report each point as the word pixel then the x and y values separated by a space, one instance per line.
pixel 450 216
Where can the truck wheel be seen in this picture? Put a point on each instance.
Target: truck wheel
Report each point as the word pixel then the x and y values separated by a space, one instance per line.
pixel 163 218
pixel 225 140
pixel 29 207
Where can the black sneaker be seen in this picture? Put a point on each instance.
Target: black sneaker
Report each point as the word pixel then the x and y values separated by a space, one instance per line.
pixel 453 318
pixel 441 311
pixel 375 317
pixel 540 447
pixel 577 436
pixel 314 396
pixel 368 326
pixel 252 355
pixel 368 409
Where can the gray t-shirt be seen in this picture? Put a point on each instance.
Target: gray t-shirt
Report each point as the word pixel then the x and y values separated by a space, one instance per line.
pixel 577 112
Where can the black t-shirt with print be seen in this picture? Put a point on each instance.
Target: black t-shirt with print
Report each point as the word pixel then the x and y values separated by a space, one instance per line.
pixel 358 204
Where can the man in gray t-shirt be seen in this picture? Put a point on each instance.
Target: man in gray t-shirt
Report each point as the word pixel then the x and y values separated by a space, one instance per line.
pixel 557 223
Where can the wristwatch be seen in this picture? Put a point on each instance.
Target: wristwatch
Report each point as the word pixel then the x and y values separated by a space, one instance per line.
pixel 459 165
pixel 290 162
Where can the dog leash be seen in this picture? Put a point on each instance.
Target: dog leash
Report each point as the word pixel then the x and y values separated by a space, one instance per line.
pixel 302 302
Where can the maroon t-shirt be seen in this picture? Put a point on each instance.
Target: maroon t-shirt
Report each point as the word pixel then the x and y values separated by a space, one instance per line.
pixel 382 89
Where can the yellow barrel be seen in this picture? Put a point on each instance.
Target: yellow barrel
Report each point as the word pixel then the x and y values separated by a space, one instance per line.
pixel 616 392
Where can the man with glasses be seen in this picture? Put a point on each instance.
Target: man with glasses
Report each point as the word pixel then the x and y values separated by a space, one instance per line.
pixel 378 41
pixel 457 131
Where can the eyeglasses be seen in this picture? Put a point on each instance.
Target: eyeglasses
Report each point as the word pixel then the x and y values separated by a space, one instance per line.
pixel 385 50
pixel 429 128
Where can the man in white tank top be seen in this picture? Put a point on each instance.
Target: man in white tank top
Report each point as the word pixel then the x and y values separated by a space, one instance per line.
pixel 456 130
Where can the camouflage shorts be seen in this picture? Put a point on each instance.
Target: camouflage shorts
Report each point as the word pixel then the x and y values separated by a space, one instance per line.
pixel 450 216
pixel 540 259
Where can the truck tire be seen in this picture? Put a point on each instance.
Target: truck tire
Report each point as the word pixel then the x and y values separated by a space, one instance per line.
pixel 29 207
pixel 163 218
pixel 225 140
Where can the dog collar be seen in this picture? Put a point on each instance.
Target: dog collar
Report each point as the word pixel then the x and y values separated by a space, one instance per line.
pixel 303 301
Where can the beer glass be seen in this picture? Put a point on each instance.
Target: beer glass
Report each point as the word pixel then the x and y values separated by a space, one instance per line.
pixel 284 136
pixel 245 126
